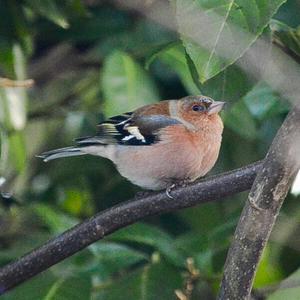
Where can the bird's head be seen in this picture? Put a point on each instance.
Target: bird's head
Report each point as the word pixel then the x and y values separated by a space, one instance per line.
pixel 201 111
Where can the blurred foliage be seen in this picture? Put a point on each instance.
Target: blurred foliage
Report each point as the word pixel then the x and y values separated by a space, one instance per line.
pixel 234 20
pixel 93 59
pixel 286 36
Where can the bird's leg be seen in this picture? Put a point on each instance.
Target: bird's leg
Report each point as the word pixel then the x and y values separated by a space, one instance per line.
pixel 176 184
pixel 169 190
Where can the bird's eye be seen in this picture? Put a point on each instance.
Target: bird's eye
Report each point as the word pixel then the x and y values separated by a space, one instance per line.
pixel 198 108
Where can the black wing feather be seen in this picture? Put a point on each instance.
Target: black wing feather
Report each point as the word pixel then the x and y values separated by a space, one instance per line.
pixel 127 129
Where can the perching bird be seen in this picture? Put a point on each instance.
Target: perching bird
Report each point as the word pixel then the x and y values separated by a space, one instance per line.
pixel 158 145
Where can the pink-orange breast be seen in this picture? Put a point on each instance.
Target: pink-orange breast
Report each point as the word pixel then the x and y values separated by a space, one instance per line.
pixel 180 155
pixel 196 152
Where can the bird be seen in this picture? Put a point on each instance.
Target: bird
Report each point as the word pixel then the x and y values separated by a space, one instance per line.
pixel 157 146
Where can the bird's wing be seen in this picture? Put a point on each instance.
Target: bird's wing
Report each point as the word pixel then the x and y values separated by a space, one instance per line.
pixel 129 129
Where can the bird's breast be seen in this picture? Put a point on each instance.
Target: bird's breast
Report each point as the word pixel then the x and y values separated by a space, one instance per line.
pixel 176 157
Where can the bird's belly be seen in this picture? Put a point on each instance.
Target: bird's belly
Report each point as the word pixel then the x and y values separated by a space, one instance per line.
pixel 156 167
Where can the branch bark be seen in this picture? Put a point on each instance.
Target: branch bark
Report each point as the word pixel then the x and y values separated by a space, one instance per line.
pixel 259 214
pixel 104 223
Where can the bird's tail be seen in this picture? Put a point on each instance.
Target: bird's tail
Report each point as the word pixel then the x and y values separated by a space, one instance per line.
pixel 62 152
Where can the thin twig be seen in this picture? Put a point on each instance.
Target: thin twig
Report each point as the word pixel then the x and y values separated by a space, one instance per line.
pixel 6 82
pixel 104 223
pixel 259 215
pixel 192 276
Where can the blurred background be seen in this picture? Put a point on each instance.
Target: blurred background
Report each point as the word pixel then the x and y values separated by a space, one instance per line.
pixel 90 60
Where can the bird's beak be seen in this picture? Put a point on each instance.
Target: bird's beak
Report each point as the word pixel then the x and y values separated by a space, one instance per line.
pixel 216 107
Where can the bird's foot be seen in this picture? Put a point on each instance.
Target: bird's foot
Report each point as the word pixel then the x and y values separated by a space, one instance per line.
pixel 177 184
pixel 169 190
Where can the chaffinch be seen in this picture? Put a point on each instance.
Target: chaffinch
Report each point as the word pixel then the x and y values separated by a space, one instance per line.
pixel 157 145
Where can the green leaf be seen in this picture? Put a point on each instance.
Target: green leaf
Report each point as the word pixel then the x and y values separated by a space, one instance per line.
pixel 36 288
pixel 157 51
pixel 113 257
pixel 77 201
pixel 21 245
pixel 156 281
pixel 288 289
pixel 286 36
pixel 268 271
pixel 203 219
pixel 51 10
pixel 14 27
pixel 46 286
pixel 56 221
pixel 74 288
pixel 77 7
pixel 152 236
pixel 141 40
pixel 125 84
pixel 217 33
pixel 205 247
pixel 229 85
pixel 17 150
pixel 173 56
pixel 263 103
pixel 240 120
pixel 6 58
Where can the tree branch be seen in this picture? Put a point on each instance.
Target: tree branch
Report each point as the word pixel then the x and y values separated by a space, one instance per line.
pixel 259 215
pixel 75 239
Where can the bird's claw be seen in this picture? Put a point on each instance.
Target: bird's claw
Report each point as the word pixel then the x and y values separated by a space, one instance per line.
pixel 169 190
pixel 182 183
